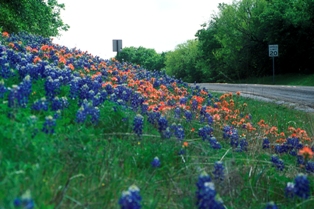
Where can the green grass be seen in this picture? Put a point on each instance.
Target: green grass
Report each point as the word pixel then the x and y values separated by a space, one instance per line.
pixel 287 79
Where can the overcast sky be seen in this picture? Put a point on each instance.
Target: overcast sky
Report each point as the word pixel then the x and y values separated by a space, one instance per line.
pixel 157 24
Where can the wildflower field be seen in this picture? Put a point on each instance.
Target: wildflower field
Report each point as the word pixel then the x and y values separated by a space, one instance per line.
pixel 78 131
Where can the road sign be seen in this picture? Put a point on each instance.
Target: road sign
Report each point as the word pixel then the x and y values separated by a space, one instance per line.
pixel 117 45
pixel 273 50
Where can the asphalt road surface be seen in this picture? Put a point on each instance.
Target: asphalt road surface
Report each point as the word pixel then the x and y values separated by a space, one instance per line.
pixel 297 97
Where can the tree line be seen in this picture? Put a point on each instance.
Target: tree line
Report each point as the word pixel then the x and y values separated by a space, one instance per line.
pixel 38 17
pixel 234 44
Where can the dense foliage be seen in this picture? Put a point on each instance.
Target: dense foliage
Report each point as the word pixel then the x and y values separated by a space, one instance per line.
pixel 183 62
pixel 77 131
pixel 147 58
pixel 234 44
pixel 33 16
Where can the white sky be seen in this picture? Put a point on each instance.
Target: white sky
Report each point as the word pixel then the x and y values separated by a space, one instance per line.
pixel 156 24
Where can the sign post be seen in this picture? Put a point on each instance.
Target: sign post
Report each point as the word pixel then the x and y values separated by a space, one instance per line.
pixel 273 52
pixel 117 45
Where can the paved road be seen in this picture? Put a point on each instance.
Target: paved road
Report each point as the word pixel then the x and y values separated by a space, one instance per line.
pixel 298 97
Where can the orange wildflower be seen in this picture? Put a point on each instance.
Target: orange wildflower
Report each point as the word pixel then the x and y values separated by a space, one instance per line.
pixel 5 34
pixel 185 144
pixel 11 45
pixel 62 60
pixel 44 48
pixel 36 59
pixel 71 66
pixel 238 93
pixel 192 129
pixel 306 152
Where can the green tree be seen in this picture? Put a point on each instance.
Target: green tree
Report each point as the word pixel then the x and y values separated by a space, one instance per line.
pixel 147 58
pixel 183 62
pixel 37 17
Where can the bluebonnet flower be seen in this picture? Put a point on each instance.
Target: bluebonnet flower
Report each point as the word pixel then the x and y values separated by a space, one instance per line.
pixel 309 166
pixel 278 163
pixel 138 123
pixel 162 123
pixel 131 199
pixel 84 92
pixel 266 143
pixel 24 91
pixel 59 104
pixel 25 201
pixel 271 205
pixel 13 94
pixel 188 115
pixel 57 115
pixel 205 132
pixel 183 100
pixel 156 162
pixel 52 87
pixel 207 197
pixel 167 133
pixel 74 87
pixel 219 171
pixel 242 146
pixel 136 100
pixel 203 178
pixel 210 119
pixel 40 105
pixel 144 108
pixel 81 115
pixel 177 112
pixel 290 190
pixel 153 116
pixel 98 99
pixel 87 109
pixel 3 89
pixel 302 186
pixel 109 89
pixel 49 125
pixel 194 105
pixel 300 160
pixel 179 132
pixel 214 143
pixel 94 112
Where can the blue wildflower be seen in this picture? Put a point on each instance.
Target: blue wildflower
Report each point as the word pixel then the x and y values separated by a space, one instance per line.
pixel 25 201
pixel 131 199
pixel 162 123
pixel 271 205
pixel 290 190
pixel 138 123
pixel 49 125
pixel 266 143
pixel 40 105
pixel 302 186
pixel 309 166
pixel 219 171
pixel 214 143
pixel 188 115
pixel 3 89
pixel 156 162
pixel 207 197
pixel 179 132
pixel 278 163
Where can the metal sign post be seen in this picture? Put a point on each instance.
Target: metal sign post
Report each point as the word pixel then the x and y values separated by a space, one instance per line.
pixel 117 45
pixel 273 52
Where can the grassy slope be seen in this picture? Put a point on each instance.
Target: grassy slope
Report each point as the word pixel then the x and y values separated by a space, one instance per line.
pixel 88 166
